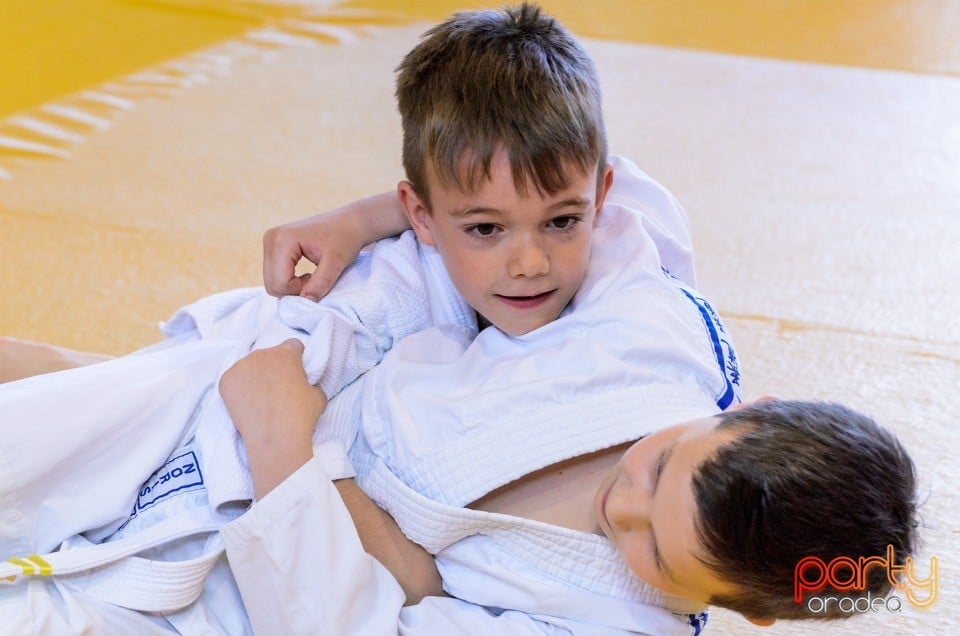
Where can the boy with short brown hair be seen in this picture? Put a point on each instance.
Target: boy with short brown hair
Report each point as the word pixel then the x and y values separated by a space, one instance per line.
pixel 613 337
pixel 487 131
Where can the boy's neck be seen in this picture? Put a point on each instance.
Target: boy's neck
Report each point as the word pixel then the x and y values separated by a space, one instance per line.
pixel 562 494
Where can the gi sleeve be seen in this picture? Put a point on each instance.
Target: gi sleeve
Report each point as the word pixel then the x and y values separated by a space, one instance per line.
pixel 396 289
pixel 300 567
pixel 384 296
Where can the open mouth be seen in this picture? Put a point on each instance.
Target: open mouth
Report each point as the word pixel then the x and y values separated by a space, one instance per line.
pixel 525 302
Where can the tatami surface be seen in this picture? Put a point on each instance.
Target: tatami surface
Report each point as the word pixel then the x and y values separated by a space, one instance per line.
pixel 145 146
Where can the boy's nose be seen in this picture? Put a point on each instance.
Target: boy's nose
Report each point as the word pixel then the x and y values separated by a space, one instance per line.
pixel 629 509
pixel 528 261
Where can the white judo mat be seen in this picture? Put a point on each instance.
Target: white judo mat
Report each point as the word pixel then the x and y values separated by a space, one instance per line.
pixel 824 203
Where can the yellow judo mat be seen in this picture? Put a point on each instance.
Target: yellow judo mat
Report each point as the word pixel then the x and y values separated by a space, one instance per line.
pixel 146 145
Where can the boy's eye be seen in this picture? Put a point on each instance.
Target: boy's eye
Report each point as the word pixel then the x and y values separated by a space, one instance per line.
pixel 661 458
pixel 482 229
pixel 564 222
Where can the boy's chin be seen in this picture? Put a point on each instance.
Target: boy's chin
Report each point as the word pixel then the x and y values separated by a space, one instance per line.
pixel 761 622
pixel 514 329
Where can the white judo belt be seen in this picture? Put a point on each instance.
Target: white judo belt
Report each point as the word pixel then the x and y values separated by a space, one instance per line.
pixel 110 570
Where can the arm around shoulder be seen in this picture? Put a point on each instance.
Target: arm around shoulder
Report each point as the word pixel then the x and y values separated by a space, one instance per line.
pixel 330 240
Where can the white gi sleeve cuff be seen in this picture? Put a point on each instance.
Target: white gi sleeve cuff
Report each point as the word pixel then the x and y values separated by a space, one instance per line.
pixel 332 456
pixel 287 496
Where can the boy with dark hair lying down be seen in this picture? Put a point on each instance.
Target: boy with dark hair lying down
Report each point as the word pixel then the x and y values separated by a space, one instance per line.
pixel 591 344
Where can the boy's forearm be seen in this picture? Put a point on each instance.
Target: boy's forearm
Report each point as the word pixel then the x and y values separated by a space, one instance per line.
pixel 376 217
pixel 412 566
pixel 272 461
pixel 275 409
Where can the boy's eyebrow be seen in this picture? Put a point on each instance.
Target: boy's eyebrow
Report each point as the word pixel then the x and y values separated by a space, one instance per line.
pixel 661 464
pixel 574 202
pixel 578 202
pixel 472 211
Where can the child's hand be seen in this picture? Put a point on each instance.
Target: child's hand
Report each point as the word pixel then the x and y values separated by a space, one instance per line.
pixel 331 241
pixel 275 409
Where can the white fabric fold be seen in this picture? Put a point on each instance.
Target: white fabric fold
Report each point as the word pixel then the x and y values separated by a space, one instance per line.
pixel 398 288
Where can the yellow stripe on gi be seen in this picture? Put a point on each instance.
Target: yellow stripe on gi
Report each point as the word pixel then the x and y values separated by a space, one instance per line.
pixel 33 564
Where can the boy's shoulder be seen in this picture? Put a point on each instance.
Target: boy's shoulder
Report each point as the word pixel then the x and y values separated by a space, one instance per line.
pixel 640 207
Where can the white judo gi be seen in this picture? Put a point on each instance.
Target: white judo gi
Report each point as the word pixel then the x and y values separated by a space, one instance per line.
pixel 449 424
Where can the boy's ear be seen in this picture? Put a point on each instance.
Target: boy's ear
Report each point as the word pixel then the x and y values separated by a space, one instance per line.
pixel 759 400
pixel 417 213
pixel 761 622
pixel 602 190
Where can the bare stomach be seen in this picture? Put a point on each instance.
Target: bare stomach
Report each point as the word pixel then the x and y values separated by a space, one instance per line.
pixel 561 494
